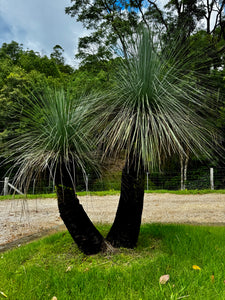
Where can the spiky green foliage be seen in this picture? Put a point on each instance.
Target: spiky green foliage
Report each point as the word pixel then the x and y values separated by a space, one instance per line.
pixel 153 111
pixel 53 135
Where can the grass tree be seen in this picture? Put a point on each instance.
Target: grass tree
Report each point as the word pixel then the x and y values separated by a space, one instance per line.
pixel 156 108
pixel 149 114
pixel 54 139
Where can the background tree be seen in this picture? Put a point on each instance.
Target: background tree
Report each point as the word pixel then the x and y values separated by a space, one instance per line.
pixel 22 72
pixel 112 22
pixel 57 57
pixel 11 50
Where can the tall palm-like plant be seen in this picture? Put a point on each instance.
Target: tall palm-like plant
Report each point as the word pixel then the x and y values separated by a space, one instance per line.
pixel 155 109
pixel 151 113
pixel 54 139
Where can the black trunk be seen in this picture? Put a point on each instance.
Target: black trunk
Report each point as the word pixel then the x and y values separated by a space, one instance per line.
pixel 125 229
pixel 80 227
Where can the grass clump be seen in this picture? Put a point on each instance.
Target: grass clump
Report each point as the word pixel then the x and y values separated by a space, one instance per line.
pixel 53 266
pixel 28 196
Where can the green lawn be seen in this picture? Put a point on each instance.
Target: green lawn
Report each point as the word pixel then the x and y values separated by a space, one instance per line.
pixel 53 266
pixel 114 192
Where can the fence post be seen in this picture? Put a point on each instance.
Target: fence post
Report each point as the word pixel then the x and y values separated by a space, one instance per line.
pixel 211 179
pixel 34 182
pixel 86 182
pixel 147 181
pixel 6 191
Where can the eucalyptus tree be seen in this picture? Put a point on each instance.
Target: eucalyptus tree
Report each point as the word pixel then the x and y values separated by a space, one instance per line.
pixel 110 22
pixel 156 108
pixel 54 139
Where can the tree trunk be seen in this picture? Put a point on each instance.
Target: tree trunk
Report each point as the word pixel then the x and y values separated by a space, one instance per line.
pixel 80 227
pixel 125 229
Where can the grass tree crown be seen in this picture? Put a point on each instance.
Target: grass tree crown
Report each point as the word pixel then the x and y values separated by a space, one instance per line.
pixel 53 136
pixel 157 106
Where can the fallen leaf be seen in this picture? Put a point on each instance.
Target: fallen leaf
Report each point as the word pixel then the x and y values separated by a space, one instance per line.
pixel 87 269
pixel 69 269
pixel 212 278
pixel 3 294
pixel 195 267
pixel 54 298
pixel 164 279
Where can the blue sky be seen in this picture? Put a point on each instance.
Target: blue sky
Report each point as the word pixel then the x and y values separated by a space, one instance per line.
pixel 40 25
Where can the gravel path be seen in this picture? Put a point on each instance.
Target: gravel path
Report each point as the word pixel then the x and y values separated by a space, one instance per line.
pixel 25 218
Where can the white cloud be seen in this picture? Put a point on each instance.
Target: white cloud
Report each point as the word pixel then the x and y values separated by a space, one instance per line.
pixel 40 25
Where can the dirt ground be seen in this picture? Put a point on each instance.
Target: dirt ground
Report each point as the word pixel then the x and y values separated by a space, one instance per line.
pixel 22 219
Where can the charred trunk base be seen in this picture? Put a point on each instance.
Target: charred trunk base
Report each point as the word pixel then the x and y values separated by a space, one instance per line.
pixel 84 233
pixel 125 229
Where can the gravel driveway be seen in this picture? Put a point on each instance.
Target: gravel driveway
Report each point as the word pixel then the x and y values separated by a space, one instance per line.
pixel 25 218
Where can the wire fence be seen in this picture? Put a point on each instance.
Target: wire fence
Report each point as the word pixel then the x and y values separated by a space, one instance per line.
pixel 204 178
pixel 199 179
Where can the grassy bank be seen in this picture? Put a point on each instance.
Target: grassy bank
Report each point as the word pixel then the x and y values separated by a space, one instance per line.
pixel 114 192
pixel 54 266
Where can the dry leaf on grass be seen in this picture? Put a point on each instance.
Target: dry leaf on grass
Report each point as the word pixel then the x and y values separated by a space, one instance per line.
pixel 69 269
pixel 195 267
pixel 3 294
pixel 54 298
pixel 86 270
pixel 164 279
